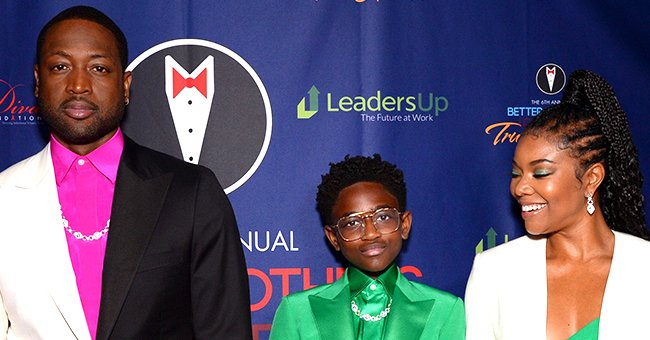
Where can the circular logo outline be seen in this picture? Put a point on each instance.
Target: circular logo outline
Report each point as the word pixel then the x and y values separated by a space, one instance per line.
pixel 537 79
pixel 265 97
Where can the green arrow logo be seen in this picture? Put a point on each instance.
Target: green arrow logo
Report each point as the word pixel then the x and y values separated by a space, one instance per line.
pixel 492 238
pixel 491 241
pixel 313 104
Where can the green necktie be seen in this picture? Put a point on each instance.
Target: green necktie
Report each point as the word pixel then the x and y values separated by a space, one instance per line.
pixel 372 300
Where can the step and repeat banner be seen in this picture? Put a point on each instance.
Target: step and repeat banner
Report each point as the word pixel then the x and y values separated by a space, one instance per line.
pixel 282 88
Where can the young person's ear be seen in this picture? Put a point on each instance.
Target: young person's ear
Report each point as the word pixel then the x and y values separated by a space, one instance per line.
pixel 407 218
pixel 330 233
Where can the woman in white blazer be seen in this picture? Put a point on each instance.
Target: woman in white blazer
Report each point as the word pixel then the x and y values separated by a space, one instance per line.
pixel 582 271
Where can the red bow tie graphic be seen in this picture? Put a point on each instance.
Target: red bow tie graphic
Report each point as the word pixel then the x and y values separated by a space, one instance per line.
pixel 550 71
pixel 200 83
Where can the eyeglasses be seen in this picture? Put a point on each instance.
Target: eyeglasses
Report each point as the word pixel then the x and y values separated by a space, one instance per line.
pixel 352 227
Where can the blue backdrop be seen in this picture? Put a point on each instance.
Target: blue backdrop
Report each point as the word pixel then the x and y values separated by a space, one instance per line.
pixel 439 88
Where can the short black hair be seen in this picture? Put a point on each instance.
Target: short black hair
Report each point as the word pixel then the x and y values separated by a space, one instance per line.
pixel 90 14
pixel 356 169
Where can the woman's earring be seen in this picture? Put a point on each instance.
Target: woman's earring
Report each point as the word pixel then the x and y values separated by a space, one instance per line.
pixel 590 204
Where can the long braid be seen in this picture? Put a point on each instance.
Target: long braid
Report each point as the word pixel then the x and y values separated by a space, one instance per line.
pixel 592 125
pixel 621 193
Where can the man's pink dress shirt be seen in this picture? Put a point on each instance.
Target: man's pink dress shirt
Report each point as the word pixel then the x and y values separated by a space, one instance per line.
pixel 85 185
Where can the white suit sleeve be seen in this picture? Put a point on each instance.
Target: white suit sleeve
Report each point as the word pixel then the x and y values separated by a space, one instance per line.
pixel 481 303
pixel 4 320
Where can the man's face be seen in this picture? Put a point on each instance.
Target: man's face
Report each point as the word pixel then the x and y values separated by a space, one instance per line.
pixel 80 85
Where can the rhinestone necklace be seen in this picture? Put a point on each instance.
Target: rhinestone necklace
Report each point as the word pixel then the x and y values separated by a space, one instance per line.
pixel 368 317
pixel 81 236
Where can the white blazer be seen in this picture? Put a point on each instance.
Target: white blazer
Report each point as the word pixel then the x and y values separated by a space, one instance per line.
pixel 506 292
pixel 38 289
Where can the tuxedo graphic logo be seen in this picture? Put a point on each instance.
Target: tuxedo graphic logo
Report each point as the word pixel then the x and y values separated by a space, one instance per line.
pixel 201 102
pixel 190 99
pixel 550 79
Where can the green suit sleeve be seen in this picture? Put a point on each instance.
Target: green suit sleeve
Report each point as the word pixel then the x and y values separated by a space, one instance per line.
pixel 284 327
pixel 454 327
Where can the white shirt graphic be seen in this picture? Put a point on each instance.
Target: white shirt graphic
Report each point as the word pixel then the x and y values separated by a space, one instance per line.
pixel 190 99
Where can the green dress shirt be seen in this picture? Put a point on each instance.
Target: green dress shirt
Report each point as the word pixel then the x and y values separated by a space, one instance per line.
pixel 372 297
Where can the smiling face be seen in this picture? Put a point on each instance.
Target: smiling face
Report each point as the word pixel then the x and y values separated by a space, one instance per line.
pixel 544 183
pixel 80 86
pixel 374 252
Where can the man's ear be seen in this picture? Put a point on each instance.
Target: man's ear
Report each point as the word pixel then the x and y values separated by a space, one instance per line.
pixel 127 86
pixel 330 233
pixel 36 80
pixel 593 178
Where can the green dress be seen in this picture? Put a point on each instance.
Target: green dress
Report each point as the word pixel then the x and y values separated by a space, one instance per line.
pixel 588 332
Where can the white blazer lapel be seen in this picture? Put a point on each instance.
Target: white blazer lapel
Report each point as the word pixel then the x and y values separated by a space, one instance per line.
pixel 46 239
pixel 506 292
pixel 624 313
pixel 525 294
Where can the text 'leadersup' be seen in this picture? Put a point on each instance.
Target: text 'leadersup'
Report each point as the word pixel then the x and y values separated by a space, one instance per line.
pixel 378 107
pixel 378 102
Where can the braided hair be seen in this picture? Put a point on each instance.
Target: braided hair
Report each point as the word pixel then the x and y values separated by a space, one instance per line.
pixel 590 123
pixel 356 169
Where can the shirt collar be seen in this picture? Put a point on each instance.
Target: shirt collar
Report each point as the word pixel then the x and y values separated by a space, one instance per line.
pixel 105 158
pixel 359 280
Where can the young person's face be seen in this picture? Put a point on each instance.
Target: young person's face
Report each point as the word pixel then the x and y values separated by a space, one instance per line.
pixel 80 85
pixel 373 252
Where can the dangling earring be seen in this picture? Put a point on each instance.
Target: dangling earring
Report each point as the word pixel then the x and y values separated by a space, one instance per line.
pixel 590 204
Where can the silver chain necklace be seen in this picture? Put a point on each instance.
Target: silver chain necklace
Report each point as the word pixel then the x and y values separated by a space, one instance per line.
pixel 368 317
pixel 81 236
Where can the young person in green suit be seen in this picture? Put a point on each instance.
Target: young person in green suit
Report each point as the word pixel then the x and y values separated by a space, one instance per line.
pixel 362 202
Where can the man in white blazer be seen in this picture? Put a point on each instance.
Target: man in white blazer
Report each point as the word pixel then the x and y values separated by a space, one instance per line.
pixel 173 266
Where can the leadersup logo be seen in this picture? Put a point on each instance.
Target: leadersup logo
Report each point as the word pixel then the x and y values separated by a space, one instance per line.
pixel 12 110
pixel 420 107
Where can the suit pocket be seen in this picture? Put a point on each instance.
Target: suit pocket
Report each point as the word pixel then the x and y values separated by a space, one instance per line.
pixel 161 260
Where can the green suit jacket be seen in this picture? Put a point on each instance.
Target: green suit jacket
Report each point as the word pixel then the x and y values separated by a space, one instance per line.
pixel 418 312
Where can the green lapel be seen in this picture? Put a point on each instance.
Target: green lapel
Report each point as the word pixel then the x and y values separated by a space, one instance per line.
pixel 409 312
pixel 331 309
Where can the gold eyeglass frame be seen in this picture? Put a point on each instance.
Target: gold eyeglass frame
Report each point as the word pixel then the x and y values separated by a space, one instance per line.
pixel 364 215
